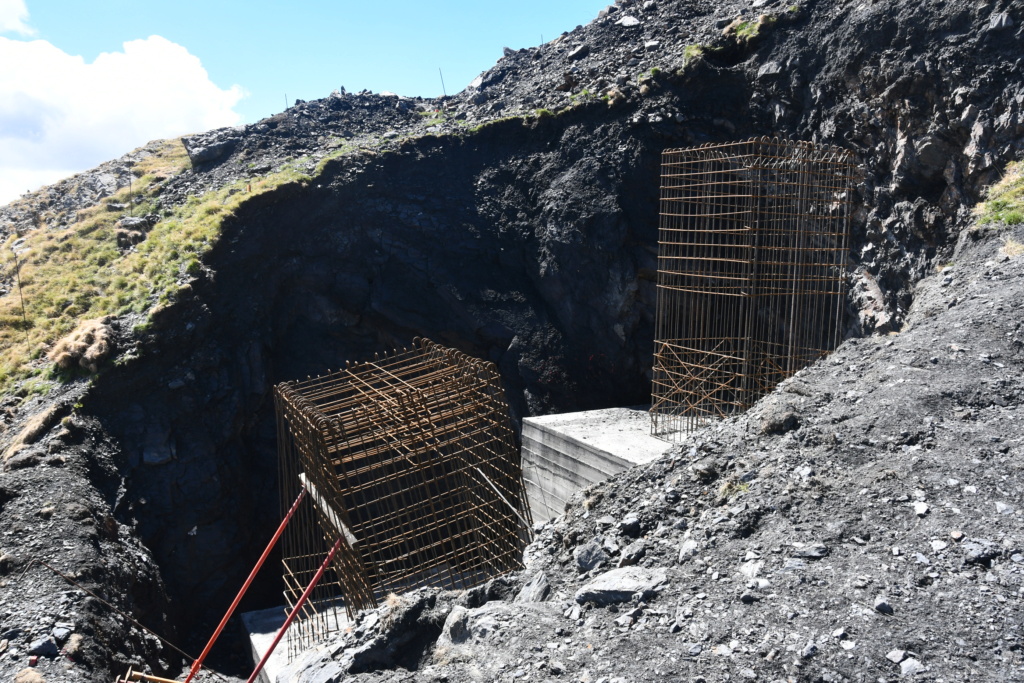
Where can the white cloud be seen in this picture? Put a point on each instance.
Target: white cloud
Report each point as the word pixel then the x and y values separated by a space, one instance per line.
pixel 60 115
pixel 13 15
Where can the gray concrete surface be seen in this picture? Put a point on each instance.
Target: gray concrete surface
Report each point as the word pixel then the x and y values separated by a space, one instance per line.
pixel 263 625
pixel 565 453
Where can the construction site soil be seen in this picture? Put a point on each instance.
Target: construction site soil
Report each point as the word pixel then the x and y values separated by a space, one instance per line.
pixel 863 522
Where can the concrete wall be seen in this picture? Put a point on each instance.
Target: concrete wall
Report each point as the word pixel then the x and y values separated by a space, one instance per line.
pixel 565 453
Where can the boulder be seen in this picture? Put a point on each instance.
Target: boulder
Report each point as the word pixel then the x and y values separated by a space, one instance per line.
pixel 619 585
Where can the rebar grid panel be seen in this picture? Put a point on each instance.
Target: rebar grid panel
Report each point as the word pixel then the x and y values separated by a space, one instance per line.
pixel 411 459
pixel 753 244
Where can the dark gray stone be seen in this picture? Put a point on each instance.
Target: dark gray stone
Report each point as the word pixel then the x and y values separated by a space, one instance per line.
pixel 812 552
pixel 980 551
pixel 633 553
pixel 882 606
pixel 590 555
pixel 579 53
pixel 780 422
pixel 44 647
pixel 630 524
pixel 203 149
pixel 142 223
pixel 536 590
pixel 456 626
pixel 621 584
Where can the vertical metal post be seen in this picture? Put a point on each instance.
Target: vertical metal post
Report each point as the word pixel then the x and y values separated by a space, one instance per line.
pixel 295 610
pixel 198 664
pixel 21 293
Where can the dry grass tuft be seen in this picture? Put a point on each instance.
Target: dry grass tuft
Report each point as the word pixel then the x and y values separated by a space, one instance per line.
pixel 86 347
pixel 1012 247
pixel 34 429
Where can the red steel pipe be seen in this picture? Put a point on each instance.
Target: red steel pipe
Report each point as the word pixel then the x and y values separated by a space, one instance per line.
pixel 196 665
pixel 295 610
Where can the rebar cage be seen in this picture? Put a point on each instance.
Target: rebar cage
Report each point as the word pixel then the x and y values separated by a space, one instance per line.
pixel 753 243
pixel 410 459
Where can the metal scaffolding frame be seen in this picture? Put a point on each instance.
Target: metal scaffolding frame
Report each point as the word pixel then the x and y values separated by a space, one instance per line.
pixel 753 244
pixel 410 459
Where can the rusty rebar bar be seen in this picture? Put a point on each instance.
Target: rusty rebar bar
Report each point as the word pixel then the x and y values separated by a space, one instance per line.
pixel 753 243
pixel 410 459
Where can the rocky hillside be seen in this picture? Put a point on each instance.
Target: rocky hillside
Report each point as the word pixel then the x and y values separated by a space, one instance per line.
pixel 517 221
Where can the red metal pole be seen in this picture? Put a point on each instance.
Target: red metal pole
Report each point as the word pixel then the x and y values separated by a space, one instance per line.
pixel 295 610
pixel 196 665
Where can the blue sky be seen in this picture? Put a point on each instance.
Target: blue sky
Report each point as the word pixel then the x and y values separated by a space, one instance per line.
pixel 307 49
pixel 84 81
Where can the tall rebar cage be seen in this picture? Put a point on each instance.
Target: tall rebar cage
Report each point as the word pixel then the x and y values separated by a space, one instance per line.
pixel 753 243
pixel 410 459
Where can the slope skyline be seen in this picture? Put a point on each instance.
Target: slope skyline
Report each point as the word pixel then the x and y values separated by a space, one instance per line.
pixel 83 83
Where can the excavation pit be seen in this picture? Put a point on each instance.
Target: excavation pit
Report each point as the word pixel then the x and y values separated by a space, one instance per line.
pixel 561 455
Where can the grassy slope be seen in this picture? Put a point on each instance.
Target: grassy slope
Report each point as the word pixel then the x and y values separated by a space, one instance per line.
pixel 1005 200
pixel 78 273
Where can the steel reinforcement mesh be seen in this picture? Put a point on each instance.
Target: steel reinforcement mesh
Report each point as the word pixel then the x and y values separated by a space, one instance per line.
pixel 410 458
pixel 753 244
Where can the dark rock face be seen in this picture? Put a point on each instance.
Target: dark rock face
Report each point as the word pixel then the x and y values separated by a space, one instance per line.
pixel 343 270
pixel 60 514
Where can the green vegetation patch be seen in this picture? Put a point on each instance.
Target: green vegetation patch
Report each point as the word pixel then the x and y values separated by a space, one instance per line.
pixel 582 97
pixel 749 31
pixel 1004 201
pixel 692 53
pixel 81 273
pixel 434 117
